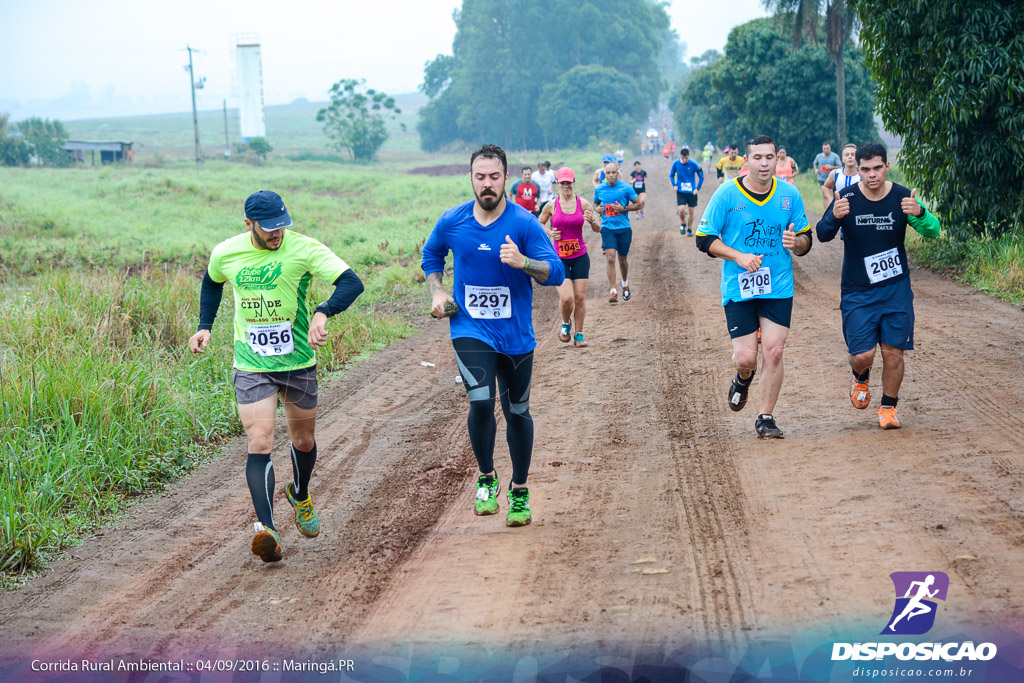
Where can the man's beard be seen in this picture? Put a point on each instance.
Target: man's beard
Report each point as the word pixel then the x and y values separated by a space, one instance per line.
pixel 264 245
pixel 490 200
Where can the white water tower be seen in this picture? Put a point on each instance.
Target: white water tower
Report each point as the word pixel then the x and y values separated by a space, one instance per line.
pixel 249 66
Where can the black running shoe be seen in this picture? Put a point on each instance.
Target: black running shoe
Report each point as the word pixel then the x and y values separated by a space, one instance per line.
pixel 767 429
pixel 738 393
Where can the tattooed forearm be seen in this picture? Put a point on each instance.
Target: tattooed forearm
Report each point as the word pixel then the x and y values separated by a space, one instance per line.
pixel 538 270
pixel 434 279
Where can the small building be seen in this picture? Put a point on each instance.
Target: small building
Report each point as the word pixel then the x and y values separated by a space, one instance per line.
pixel 110 152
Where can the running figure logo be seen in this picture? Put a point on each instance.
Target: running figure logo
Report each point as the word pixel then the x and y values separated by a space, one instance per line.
pixel 915 608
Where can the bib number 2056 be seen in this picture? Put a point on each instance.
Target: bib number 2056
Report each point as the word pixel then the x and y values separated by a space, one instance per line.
pixel 271 340
pixel 488 303
pixel 755 284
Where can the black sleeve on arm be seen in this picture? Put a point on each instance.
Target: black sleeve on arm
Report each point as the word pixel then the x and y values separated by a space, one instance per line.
pixel 346 288
pixel 828 227
pixel 810 241
pixel 704 243
pixel 209 301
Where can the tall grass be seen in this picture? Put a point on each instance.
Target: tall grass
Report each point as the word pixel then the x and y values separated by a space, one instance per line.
pixel 100 399
pixel 990 263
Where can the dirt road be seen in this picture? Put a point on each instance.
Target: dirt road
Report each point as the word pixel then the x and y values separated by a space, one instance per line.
pixel 659 518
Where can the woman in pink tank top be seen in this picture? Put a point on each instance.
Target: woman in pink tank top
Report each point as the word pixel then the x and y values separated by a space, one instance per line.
pixel 566 214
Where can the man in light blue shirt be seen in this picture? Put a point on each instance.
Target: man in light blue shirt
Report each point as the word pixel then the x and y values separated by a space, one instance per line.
pixel 616 198
pixel 753 223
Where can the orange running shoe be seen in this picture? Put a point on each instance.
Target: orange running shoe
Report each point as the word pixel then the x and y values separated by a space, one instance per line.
pixel 887 418
pixel 860 396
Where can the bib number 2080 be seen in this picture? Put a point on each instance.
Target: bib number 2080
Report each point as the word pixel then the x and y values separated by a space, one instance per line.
pixel 883 266
pixel 271 340
pixel 754 284
pixel 488 303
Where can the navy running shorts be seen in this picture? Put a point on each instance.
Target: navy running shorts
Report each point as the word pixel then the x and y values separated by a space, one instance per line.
pixel 881 314
pixel 743 317
pixel 619 240
pixel 686 198
pixel 577 268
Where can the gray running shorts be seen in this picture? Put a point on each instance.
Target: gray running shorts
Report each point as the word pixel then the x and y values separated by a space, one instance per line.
pixel 251 387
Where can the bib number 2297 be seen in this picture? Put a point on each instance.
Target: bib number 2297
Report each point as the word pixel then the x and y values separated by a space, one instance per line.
pixel 488 303
pixel 271 340
pixel 754 284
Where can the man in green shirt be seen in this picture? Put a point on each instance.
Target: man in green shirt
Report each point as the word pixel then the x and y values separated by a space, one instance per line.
pixel 275 342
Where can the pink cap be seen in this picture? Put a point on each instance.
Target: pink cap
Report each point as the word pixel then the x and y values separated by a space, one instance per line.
pixel 565 173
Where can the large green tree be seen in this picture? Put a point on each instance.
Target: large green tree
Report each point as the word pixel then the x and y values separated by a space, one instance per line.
pixel 45 139
pixel 13 148
pixel 951 82
pixel 355 118
pixel 506 52
pixel 776 89
pixel 575 113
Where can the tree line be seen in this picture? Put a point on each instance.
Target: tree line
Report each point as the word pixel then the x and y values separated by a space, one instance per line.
pixel 765 84
pixel 531 74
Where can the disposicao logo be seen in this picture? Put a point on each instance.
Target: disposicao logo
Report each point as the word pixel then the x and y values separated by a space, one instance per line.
pixel 915 608
pixel 913 615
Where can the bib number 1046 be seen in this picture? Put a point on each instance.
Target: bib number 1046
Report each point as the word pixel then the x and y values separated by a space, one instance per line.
pixel 754 284
pixel 271 340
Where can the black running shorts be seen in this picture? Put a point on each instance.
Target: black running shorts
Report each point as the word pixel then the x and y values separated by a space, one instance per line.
pixel 743 317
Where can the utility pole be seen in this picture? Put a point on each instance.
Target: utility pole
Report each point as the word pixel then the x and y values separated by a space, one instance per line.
pixel 195 116
pixel 227 148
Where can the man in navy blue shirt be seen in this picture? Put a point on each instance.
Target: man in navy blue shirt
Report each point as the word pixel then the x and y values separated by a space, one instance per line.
pixel 877 302
pixel 499 248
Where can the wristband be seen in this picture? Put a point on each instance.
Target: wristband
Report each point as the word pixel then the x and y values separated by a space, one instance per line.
pixel 527 264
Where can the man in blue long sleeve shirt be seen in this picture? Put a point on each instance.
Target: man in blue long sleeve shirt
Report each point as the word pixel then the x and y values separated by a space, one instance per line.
pixel 687 178
pixel 498 248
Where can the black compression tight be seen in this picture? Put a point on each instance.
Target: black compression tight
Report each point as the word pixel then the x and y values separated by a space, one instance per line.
pixel 481 366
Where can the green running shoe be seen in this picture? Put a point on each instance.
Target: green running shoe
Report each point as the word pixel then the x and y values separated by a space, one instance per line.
pixel 305 516
pixel 519 507
pixel 487 488
pixel 266 544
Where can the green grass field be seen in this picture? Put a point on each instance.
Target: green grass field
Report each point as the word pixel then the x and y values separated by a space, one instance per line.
pixel 100 399
pixel 291 128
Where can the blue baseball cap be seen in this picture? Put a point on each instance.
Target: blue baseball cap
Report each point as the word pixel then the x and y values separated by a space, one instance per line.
pixel 606 158
pixel 267 209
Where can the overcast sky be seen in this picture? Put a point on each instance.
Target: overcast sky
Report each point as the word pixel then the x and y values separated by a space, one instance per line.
pixel 71 59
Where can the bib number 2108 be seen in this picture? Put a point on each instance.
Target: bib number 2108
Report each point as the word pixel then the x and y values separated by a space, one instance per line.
pixel 754 284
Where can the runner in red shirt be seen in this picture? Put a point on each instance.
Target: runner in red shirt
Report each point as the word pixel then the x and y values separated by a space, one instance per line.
pixel 525 192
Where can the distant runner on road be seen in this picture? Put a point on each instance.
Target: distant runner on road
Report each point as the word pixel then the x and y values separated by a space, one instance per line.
pixel 877 302
pixel 686 176
pixel 824 163
pixel 730 164
pixel 498 250
pixel 544 179
pixel 567 213
pixel 525 192
pixel 847 175
pixel 754 223
pixel 639 176
pixel 270 269
pixel 616 198
pixel 785 166
pixel 709 153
